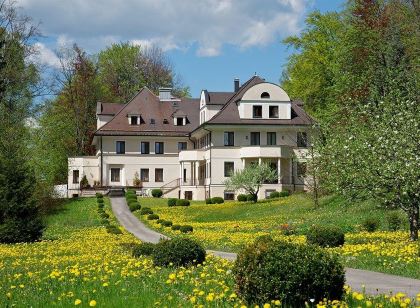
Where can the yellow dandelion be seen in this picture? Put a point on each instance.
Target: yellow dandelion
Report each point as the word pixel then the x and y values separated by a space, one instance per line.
pixel 92 303
pixel 77 302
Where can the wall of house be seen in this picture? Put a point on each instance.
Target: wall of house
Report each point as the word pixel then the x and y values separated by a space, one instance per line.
pixel 101 120
pixel 87 165
pixel 246 109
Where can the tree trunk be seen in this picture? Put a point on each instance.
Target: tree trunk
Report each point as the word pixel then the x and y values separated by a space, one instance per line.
pixel 413 217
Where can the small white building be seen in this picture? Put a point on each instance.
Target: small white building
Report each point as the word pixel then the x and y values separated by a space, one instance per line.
pixel 188 147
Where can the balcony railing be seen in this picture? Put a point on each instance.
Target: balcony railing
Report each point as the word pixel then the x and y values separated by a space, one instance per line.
pixel 192 182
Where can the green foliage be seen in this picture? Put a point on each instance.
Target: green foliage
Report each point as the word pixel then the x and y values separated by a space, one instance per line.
pixel 146 211
pixel 167 223
pixel 100 201
pixel 186 229
pixel 294 274
pixel 325 236
pixel 394 220
pixel 157 193
pixel 172 201
pixel 134 206
pixel 153 217
pixel 217 200
pixel 242 198
pixel 251 198
pixel 99 195
pixel 113 229
pixel 251 178
pixel 182 202
pixel 84 183
pixel 274 194
pixel 284 193
pixel 159 221
pixel 178 252
pixel 143 249
pixel 136 180
pixel 209 201
pixel 371 224
pixel 176 227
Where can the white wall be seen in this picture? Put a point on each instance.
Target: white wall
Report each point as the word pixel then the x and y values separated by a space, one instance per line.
pixel 101 120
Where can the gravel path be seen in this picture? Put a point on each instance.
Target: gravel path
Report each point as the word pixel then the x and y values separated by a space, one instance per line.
pixel 373 282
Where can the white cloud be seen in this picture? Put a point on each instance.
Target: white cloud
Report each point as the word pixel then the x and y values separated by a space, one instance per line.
pixel 207 24
pixel 44 55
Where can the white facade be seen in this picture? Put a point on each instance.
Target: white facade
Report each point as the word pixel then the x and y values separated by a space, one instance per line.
pixel 199 170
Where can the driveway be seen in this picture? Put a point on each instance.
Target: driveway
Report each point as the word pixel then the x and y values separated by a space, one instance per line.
pixel 373 282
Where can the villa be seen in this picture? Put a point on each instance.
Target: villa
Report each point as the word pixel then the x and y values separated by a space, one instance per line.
pixel 188 147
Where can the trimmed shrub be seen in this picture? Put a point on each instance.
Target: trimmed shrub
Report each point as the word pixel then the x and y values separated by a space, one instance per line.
pixel 146 211
pixel 242 198
pixel 172 201
pixel 167 223
pixel 395 221
pixel 159 221
pixel 176 227
pixel 284 193
pixel 182 202
pixel 113 229
pixel 131 198
pixel 143 249
pixel 104 221
pixel 134 206
pixel 292 273
pixel 131 191
pixel 371 224
pixel 100 205
pixel 178 252
pixel 274 194
pixel 26 229
pixel 251 198
pixel 157 193
pixel 186 229
pixel 217 200
pixel 153 217
pixel 99 200
pixel 209 201
pixel 104 215
pixel 325 236
pixel 99 195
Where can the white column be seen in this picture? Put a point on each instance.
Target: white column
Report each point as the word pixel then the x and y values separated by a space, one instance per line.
pixel 259 161
pixel 192 173
pixel 278 170
pixel 243 163
pixel 181 172
pixel 196 172
pixel 291 171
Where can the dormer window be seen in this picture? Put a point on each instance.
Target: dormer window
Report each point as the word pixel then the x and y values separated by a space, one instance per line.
pixel 179 121
pixel 134 120
pixel 165 121
pixel 257 111
pixel 152 121
pixel 273 112
pixel 265 95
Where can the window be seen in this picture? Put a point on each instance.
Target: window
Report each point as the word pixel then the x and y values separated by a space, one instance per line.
pixel 144 175
pixel 301 169
pixel 229 139
pixel 179 121
pixel 271 138
pixel 145 147
pixel 182 146
pixel 185 175
pixel 257 111
pixel 255 138
pixel 158 175
pixel 159 148
pixel 229 195
pixel 265 95
pixel 115 174
pixel 302 140
pixel 165 121
pixel 273 111
pixel 120 147
pixel 134 120
pixel 75 176
pixel 229 168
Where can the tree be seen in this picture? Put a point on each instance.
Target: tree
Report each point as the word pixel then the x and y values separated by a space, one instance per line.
pixel 19 216
pixel 125 68
pixel 251 178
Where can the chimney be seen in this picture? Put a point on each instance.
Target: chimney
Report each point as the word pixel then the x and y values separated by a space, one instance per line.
pixel 165 94
pixel 236 84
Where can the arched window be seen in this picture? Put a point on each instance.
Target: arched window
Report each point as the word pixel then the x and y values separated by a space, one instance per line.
pixel 265 95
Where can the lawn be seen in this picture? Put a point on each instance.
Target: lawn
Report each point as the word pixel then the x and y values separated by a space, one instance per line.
pixel 232 225
pixel 79 263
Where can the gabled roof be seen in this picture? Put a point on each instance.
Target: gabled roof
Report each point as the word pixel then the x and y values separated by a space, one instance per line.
pixel 229 114
pixel 217 98
pixel 108 108
pixel 149 107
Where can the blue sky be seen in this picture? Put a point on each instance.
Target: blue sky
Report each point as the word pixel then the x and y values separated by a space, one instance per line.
pixel 210 42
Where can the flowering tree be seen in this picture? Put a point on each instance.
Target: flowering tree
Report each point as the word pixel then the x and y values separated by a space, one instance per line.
pixel 251 178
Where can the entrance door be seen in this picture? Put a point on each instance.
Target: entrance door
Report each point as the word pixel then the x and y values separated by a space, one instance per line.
pixel 188 195
pixel 115 176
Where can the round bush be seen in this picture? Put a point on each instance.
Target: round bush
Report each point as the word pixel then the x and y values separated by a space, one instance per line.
pixel 284 193
pixel 176 227
pixel 167 223
pixel 104 215
pixel 186 229
pixel 182 202
pixel 178 252
pixel 371 224
pixel 143 249
pixel 99 195
pixel 325 236
pixel 134 206
pixel 274 194
pixel 153 217
pixel 395 221
pixel 113 229
pixel 209 201
pixel 217 200
pixel 146 211
pixel 292 273
pixel 241 198
pixel 157 192
pixel 131 191
pixel 251 198
pixel 25 229
pixel 104 221
pixel 100 200
pixel 159 221
pixel 100 205
pixel 131 198
pixel 172 201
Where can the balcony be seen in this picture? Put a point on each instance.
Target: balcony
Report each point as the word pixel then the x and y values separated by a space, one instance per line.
pixel 264 151
pixel 191 155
